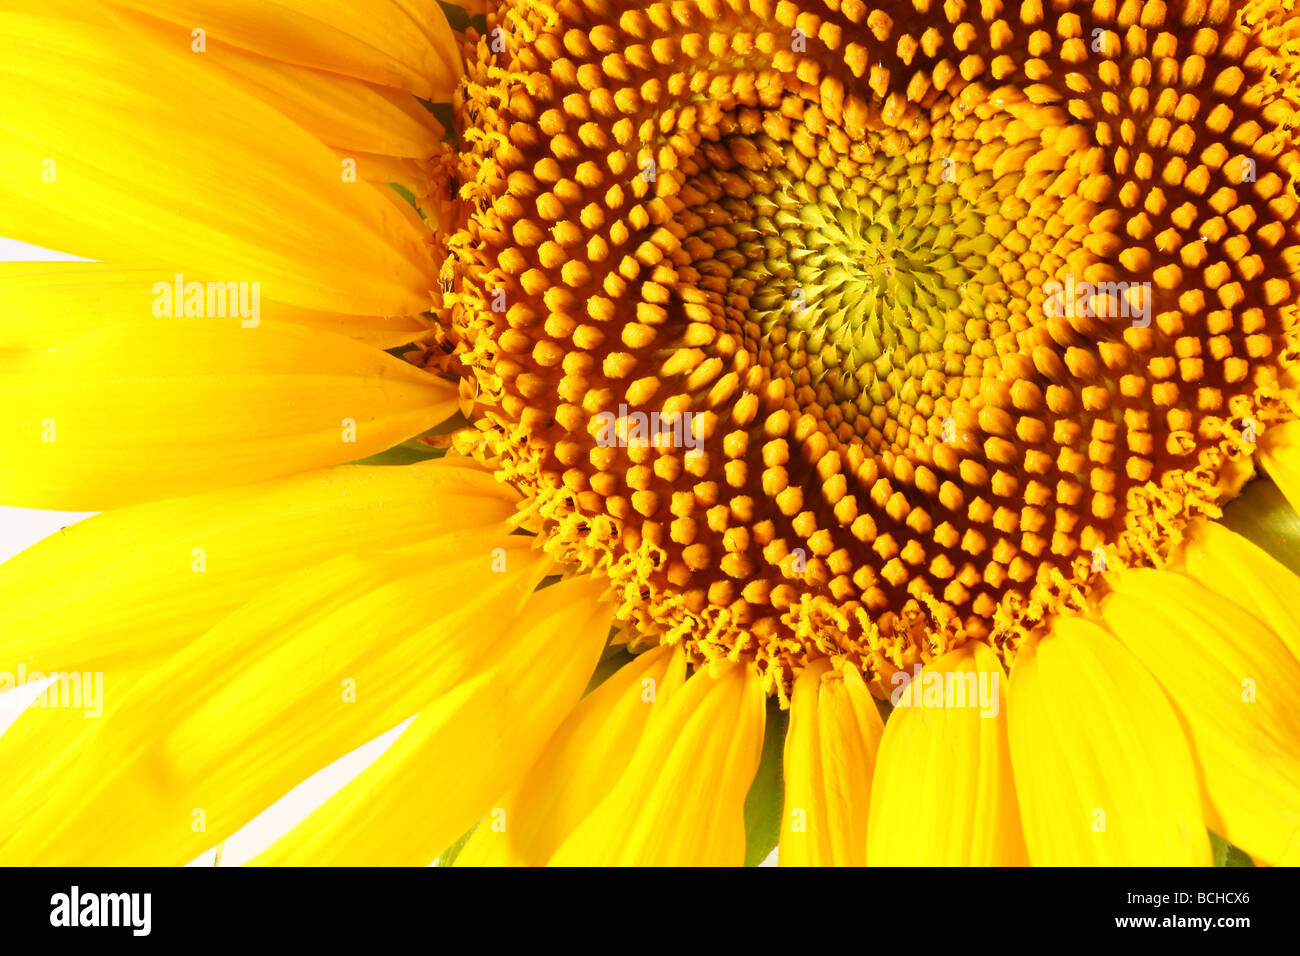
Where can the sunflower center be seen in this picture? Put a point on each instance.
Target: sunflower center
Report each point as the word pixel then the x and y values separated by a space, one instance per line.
pixel 856 279
pixel 938 310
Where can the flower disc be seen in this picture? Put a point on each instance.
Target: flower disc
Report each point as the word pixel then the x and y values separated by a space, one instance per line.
pixel 861 332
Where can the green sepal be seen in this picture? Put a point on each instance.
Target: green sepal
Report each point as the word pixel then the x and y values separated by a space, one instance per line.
pixel 766 798
pixel 445 114
pixel 614 657
pixel 1225 854
pixel 407 453
pixel 457 17
pixel 407 195
pixel 1263 515
pixel 449 855
pixel 413 450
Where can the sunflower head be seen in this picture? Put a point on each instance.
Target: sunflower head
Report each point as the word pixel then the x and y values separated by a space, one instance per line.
pixel 903 351
pixel 862 332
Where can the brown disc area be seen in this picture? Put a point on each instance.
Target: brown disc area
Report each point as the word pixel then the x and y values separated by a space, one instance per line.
pixel 827 240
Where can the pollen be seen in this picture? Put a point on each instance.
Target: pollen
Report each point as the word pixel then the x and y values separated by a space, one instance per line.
pixel 860 332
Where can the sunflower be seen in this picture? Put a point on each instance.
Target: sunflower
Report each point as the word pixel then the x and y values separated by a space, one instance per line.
pixel 702 425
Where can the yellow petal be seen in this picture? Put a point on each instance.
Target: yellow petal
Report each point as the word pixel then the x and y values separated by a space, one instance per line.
pixel 1231 565
pixel 117 147
pixel 340 111
pixel 830 753
pixel 147 410
pixel 942 793
pixel 466 748
pixel 343 114
pixel 121 590
pixel 396 43
pixel 126 588
pixel 301 675
pixel 46 303
pixel 681 801
pixel 580 765
pixel 61 717
pixel 1103 770
pixel 410 174
pixel 1279 452
pixel 1237 689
